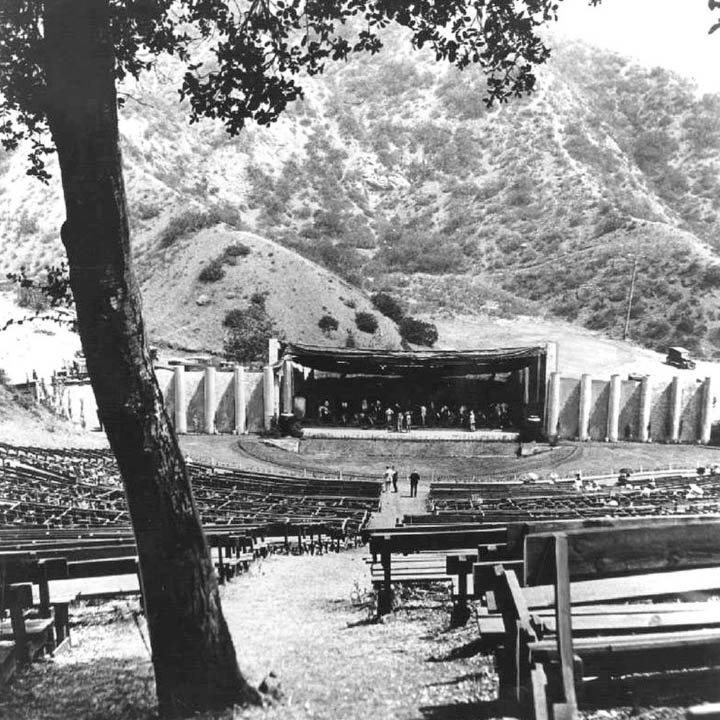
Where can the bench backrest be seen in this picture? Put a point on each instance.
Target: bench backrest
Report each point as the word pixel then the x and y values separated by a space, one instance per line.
pixel 518 531
pixel 418 540
pixel 625 550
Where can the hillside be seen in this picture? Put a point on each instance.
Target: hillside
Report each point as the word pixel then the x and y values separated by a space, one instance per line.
pixel 393 175
pixel 183 312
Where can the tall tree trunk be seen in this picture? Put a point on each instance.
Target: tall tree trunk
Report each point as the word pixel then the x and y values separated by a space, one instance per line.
pixel 193 654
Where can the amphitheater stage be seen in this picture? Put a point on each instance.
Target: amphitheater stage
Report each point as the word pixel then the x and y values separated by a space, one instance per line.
pixel 416 435
pixel 355 443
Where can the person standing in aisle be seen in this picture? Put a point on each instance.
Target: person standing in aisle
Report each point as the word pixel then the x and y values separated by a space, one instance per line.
pixel 414 480
pixel 387 476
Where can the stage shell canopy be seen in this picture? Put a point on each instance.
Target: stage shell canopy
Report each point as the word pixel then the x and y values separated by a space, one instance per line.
pixel 458 363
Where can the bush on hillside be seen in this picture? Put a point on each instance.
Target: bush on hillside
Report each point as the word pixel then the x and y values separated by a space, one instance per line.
pixel 366 322
pixel 341 259
pixel 656 329
pixel 328 324
pixel 194 220
pixel 250 328
pixel 711 277
pixel 212 272
pixel 237 249
pixel 653 148
pixel 419 252
pixel 418 332
pixel 388 306
pixel 259 298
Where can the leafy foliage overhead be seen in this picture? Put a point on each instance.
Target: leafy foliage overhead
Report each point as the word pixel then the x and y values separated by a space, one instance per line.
pixel 260 46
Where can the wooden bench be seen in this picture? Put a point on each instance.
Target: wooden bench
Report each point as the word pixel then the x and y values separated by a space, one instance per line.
pixel 473 579
pixel 234 554
pixel 384 543
pixel 545 655
pixel 21 638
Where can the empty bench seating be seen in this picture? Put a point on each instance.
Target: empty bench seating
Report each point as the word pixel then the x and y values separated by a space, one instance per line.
pixel 571 622
pixel 22 638
pixel 419 549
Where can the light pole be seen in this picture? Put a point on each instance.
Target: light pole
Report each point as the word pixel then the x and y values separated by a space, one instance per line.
pixel 630 298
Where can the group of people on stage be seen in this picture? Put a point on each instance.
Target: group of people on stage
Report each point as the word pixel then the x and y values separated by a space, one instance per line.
pixel 395 416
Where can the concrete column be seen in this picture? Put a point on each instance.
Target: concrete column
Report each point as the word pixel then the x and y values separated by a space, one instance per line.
pixel 210 405
pixel 180 401
pixel 273 351
pixel 268 396
pixel 287 387
pixel 613 418
pixel 645 408
pixel 675 409
pixel 553 405
pixel 240 400
pixel 276 394
pixel 706 415
pixel 525 384
pixel 584 407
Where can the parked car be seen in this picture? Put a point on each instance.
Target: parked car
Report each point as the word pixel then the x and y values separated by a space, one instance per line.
pixel 680 358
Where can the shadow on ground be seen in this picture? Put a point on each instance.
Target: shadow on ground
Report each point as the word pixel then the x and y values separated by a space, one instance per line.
pixel 463 711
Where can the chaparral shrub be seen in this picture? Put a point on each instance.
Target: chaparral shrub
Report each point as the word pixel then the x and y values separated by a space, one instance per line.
pixel 418 332
pixel 388 306
pixel 366 322
pixel 328 324
pixel 212 272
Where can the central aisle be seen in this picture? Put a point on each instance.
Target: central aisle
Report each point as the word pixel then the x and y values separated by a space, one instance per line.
pixel 309 619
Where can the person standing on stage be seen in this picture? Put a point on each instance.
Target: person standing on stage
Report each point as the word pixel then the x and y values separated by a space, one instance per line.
pixel 394 478
pixel 389 412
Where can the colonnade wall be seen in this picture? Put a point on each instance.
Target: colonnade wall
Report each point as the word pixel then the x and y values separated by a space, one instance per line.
pixel 585 408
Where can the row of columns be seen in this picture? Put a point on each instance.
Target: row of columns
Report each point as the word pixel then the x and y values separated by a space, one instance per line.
pixel 614 408
pixel 210 400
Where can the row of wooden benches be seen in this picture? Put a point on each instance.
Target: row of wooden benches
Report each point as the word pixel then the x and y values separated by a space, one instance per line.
pixel 39 494
pixel 548 594
pixel 42 571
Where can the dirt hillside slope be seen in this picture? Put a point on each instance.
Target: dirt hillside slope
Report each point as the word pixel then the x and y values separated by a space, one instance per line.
pixel 187 313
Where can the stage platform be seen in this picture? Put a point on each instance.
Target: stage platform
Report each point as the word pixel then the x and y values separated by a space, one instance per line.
pixel 416 435
pixel 435 443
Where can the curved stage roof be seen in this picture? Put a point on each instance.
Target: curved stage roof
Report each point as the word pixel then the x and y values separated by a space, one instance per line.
pixel 400 362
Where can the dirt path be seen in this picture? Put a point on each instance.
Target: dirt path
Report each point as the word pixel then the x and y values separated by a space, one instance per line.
pixel 308 619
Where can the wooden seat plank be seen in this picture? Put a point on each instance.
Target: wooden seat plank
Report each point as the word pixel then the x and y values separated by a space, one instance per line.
pixel 626 588
pixel 604 644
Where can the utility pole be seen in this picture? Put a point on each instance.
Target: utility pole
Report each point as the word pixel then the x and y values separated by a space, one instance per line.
pixel 630 299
